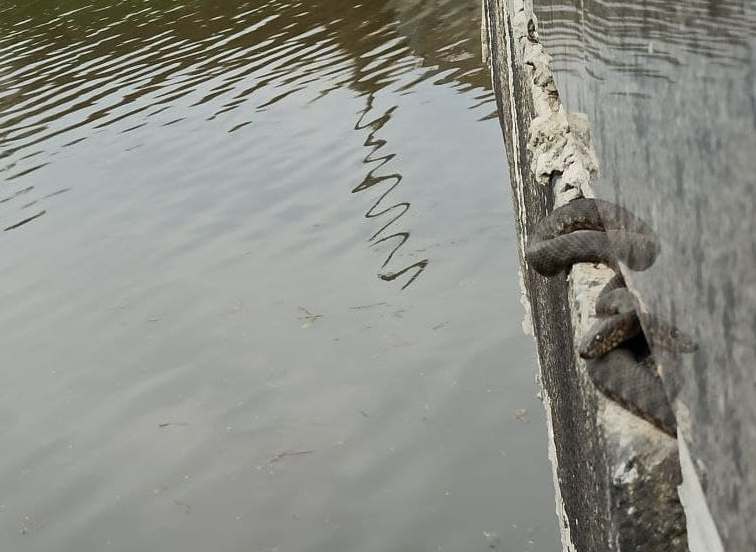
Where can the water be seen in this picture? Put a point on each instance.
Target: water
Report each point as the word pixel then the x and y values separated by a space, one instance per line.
pixel 259 283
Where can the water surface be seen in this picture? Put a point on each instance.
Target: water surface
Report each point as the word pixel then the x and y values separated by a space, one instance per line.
pixel 259 283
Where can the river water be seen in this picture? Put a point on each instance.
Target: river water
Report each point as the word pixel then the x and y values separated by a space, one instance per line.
pixel 259 283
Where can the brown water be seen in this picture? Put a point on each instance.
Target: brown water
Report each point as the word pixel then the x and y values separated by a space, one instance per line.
pixel 259 285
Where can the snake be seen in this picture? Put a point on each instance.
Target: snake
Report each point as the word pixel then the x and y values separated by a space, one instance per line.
pixel 594 231
pixel 617 353
pixel 616 348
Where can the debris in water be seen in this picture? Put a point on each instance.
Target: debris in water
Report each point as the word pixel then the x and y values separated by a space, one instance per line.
pixel 187 507
pixel 309 317
pixel 522 415
pixel 281 455
pixel 370 306
pixel 493 540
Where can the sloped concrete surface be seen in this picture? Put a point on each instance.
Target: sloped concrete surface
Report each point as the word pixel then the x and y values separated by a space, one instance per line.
pixel 616 476
pixel 670 90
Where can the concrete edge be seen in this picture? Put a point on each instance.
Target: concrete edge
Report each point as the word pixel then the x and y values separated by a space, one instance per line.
pixel 702 531
pixel 527 322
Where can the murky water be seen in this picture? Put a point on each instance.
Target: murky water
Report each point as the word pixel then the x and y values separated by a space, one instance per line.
pixel 259 285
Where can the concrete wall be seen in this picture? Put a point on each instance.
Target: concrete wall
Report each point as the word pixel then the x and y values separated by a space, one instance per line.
pixel 669 97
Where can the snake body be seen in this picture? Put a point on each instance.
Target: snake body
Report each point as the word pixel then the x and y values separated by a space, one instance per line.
pixel 592 230
pixel 621 319
pixel 635 385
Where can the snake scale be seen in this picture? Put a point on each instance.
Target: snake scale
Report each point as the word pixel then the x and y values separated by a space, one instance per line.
pixel 616 348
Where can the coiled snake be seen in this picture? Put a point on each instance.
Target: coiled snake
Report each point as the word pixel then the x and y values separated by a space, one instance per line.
pixel 616 347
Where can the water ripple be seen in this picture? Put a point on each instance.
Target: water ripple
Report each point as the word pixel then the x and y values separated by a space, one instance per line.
pixel 71 73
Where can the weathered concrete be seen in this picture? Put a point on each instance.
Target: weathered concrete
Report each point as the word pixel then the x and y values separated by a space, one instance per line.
pixel 670 89
pixel 615 475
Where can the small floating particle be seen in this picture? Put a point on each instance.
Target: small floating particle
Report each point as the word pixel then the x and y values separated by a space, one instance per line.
pixel 370 306
pixel 285 454
pixel 168 424
pixel 493 540
pixel 522 415
pixel 309 317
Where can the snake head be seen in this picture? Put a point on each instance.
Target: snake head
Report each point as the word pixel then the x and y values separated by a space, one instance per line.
pixel 608 333
pixel 594 345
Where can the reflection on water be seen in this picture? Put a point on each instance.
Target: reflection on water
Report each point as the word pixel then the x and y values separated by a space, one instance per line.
pixel 199 355
pixel 72 71
pixel 380 208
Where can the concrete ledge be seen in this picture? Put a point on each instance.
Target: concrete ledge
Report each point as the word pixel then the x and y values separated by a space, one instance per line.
pixel 615 475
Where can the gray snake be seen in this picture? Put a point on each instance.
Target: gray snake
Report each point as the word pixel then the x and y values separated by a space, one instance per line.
pixel 591 230
pixel 616 347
